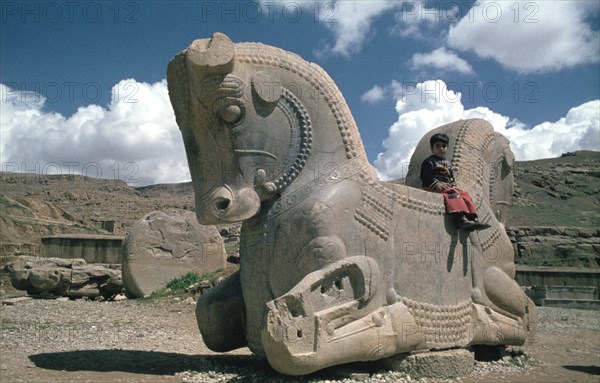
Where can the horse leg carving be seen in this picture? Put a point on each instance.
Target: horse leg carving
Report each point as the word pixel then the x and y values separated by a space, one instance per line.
pixel 219 315
pixel 315 324
pixel 389 330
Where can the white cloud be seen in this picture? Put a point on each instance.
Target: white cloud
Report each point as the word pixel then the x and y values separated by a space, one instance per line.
pixel 373 95
pixel 431 104
pixel 349 20
pixel 416 21
pixel 352 25
pixel 443 59
pixel 578 130
pixel 394 90
pixel 528 36
pixel 135 139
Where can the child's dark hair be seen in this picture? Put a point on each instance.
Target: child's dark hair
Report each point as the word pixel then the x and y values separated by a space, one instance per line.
pixel 439 137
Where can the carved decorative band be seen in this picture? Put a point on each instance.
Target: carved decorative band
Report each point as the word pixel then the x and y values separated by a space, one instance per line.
pixel 288 200
pixel 371 223
pixel 258 54
pixel 441 323
pixel 299 114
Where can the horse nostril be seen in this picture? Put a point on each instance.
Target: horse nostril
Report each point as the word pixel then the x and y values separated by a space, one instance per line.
pixel 222 204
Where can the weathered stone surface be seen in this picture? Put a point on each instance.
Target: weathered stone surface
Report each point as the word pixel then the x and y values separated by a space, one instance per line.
pixel 438 364
pixel 556 246
pixel 335 265
pixel 168 244
pixel 562 292
pixel 579 297
pixel 540 276
pixel 53 277
pixel 91 248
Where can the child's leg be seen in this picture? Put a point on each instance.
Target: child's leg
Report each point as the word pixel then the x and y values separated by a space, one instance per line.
pixel 454 202
pixel 471 208
pixel 470 205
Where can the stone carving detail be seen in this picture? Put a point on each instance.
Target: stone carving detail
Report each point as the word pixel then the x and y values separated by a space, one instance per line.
pixel 167 244
pixel 336 266
pixel 439 324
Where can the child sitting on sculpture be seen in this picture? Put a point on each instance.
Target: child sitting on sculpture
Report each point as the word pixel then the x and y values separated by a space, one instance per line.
pixel 437 177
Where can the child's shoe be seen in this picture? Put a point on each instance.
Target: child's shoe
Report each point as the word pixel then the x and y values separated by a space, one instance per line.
pixel 465 224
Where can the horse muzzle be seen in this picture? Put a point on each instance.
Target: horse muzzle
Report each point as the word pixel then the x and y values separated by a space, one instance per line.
pixel 225 204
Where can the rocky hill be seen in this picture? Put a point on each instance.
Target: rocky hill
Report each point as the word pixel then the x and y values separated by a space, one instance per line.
pixel 562 191
pixel 554 192
pixel 33 205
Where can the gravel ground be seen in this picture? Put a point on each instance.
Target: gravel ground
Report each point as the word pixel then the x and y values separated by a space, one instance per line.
pixel 153 341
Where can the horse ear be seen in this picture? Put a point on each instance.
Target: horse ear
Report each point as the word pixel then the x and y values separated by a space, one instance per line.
pixel 178 89
pixel 267 89
pixel 211 56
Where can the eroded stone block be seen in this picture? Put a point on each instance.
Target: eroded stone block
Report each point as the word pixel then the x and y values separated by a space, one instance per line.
pixel 168 244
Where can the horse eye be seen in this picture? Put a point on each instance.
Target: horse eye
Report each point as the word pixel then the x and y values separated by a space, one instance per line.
pixel 231 114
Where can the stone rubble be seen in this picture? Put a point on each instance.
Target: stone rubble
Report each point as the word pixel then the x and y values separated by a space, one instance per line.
pixel 58 277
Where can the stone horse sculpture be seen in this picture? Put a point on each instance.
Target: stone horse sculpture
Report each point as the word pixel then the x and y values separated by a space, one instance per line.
pixel 336 266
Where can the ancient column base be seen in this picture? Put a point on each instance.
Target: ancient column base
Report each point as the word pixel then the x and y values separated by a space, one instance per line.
pixel 433 364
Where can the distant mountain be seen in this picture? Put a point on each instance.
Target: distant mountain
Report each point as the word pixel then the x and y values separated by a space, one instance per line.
pixel 33 206
pixel 562 191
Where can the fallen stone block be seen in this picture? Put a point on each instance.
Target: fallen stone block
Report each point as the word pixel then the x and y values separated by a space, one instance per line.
pixel 168 244
pixel 55 277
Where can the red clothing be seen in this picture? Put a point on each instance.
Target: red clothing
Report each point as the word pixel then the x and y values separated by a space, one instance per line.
pixel 457 201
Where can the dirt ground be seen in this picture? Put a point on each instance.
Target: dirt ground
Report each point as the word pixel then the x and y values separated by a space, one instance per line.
pixel 157 341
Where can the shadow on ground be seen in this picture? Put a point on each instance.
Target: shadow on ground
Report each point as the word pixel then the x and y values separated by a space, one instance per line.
pixel 143 362
pixel 592 370
pixel 165 363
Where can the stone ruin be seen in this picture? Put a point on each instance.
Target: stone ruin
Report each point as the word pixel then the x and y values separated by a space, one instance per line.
pixel 162 246
pixel 167 244
pixel 336 266
pixel 73 278
pixel 71 265
pixel 91 248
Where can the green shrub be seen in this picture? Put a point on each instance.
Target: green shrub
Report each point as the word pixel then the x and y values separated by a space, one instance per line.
pixel 179 284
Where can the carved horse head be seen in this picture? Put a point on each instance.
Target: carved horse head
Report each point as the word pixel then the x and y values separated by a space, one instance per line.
pixel 246 114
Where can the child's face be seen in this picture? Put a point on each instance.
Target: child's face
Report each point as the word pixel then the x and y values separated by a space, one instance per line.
pixel 439 149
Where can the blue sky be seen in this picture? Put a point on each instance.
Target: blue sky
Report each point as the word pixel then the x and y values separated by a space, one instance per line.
pixel 83 87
